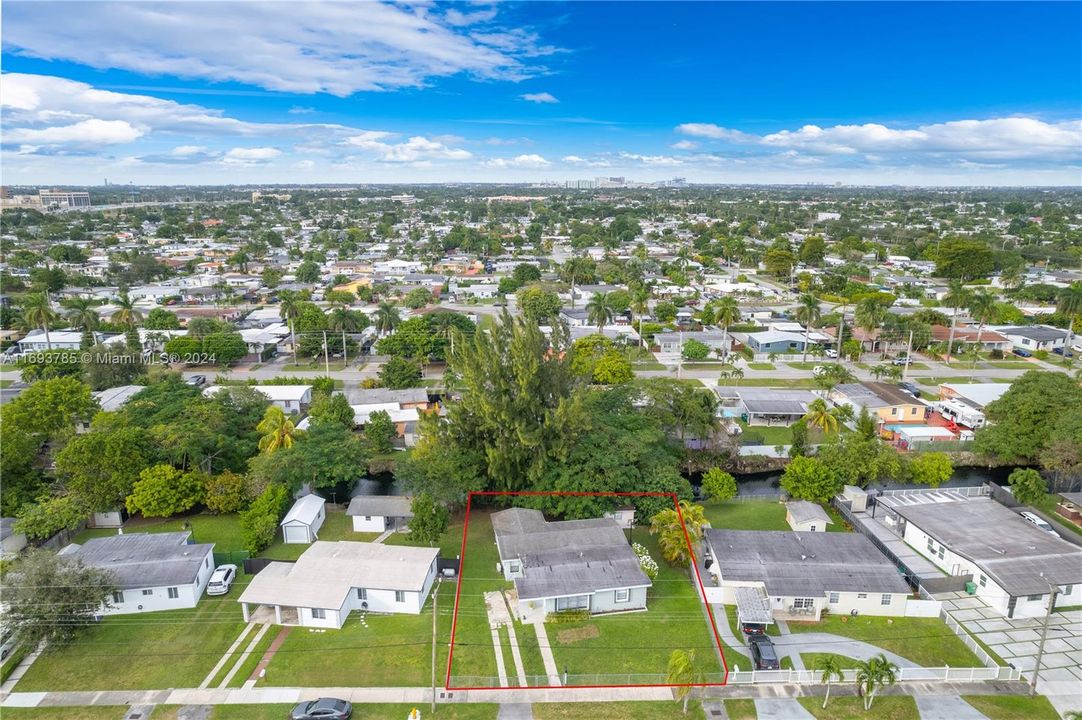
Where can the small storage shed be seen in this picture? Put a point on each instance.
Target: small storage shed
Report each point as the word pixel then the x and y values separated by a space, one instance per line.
pixel 301 524
pixel 804 516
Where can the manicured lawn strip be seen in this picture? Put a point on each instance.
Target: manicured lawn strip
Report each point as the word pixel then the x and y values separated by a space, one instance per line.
pixel 948 379
pixel 761 366
pixel 640 643
pixel 844 661
pixel 99 712
pixel 250 664
pixel 751 515
pixel 798 365
pixel 530 652
pixel 618 711
pixel 508 658
pixel 741 709
pixel 457 711
pixel 1011 365
pixel 12 661
pixel 222 530
pixel 171 648
pixel 894 707
pixel 769 382
pixel 925 641
pixel 474 655
pixel 1013 707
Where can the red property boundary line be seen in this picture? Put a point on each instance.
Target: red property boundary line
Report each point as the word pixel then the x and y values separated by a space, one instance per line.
pixel 694 564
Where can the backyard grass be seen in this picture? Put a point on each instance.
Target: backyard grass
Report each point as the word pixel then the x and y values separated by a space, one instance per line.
pixel 751 515
pixel 222 530
pixel 771 435
pixel 1010 365
pixel 741 709
pixel 761 366
pixel 1013 707
pixel 336 526
pixel 925 641
pixel 618 711
pixel 894 707
pixel 170 648
pixel 450 542
pixel 639 644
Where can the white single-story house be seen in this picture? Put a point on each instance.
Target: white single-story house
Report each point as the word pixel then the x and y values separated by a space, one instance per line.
pixel 804 516
pixel 294 399
pixel 35 340
pixel 11 542
pixel 331 579
pixel 1014 564
pixel 1034 337
pixel 379 513
pixel 152 571
pixel 568 565
pixel 800 575
pixel 303 521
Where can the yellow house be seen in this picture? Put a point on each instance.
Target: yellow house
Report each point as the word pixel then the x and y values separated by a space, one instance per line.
pixel 887 403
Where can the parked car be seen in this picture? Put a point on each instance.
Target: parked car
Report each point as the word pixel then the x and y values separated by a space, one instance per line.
pixel 910 388
pixel 7 644
pixel 753 628
pixel 831 353
pixel 900 360
pixel 1039 522
pixel 1058 351
pixel 1022 352
pixel 322 709
pixel 764 655
pixel 197 380
pixel 221 579
pixel 819 370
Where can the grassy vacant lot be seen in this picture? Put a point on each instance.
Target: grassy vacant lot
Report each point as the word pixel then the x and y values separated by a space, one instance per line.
pixel 394 650
pixel 1013 707
pixel 751 515
pixel 741 709
pixel 222 530
pixel 618 711
pixel 640 643
pixel 170 648
pixel 897 707
pixel 925 641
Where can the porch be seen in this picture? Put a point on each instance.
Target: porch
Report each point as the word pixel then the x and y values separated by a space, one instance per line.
pixel 276 614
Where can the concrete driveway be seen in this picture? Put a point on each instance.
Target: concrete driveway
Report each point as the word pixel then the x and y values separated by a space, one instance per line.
pixel 946 707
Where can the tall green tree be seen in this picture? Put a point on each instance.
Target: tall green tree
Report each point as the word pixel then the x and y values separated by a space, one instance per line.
pixel 278 431
pixel 807 313
pixel 1023 421
pixel 82 315
pixel 684 672
pixel 809 478
pixel 727 313
pixel 675 528
pixel 38 313
pixel 829 667
pixel 429 519
pixel 957 297
pixel 982 306
pixel 289 308
pixel 1069 303
pixel 599 310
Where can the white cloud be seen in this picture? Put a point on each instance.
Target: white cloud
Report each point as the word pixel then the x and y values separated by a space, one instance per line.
pixel 653 160
pixel 684 145
pixel 709 130
pixel 416 149
pixel 85 133
pixel 542 98
pixel 333 47
pixel 301 110
pixel 460 19
pixel 186 150
pixel 531 161
pixel 244 156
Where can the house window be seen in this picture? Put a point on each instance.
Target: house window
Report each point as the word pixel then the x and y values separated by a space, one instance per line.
pixel 623 595
pixel 118 597
pixel 513 566
pixel 206 561
pixel 577 602
pixel 1068 589
pixel 362 594
pixel 803 603
pixel 1034 598
pixel 940 553
pixel 148 591
pixel 862 596
pixel 983 581
pixel 931 545
pixel 884 599
pixel 834 597
pixel 173 593
pixel 894 411
pixel 367 518
pixel 399 596
pixel 913 411
pixel 319 614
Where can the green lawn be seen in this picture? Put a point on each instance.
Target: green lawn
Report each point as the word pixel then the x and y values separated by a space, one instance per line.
pixel 769 382
pixel 925 641
pixel 844 661
pixel 895 707
pixel 798 365
pixel 171 648
pixel 101 712
pixel 450 543
pixel 1011 364
pixel 935 381
pixel 394 650
pixel 6 382
pixel 618 711
pixel 252 662
pixel 761 366
pixel 1013 707
pixel 640 643
pixel 314 366
pixel 336 526
pixel 771 434
pixel 751 515
pixel 222 530
pixel 456 711
pixel 741 709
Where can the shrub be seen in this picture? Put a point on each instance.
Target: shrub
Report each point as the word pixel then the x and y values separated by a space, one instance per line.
pixel 567 616
pixel 225 493
pixel 259 523
pixel 648 564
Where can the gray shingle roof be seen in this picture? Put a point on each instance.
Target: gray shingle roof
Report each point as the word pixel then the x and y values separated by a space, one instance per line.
pixel 381 506
pixel 804 564
pixel 144 560
pixel 803 511
pixel 571 557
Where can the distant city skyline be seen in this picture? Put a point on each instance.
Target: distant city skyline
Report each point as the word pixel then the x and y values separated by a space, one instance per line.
pixel 854 93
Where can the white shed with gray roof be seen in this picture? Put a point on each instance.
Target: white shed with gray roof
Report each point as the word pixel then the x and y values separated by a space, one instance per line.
pixel 303 521
pixel 807 516
pixel 379 513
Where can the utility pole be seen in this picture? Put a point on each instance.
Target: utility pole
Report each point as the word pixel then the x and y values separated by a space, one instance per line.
pixel 908 356
pixel 1053 591
pixel 326 354
pixel 435 595
pixel 345 353
pixel 680 358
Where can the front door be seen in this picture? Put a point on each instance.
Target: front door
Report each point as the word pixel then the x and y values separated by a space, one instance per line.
pixel 1010 606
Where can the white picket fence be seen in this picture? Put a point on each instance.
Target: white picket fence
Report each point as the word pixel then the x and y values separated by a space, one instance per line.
pixel 811 677
pixel 970 643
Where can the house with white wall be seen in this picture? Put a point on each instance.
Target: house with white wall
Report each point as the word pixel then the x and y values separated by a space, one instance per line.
pixel 293 399
pixel 303 521
pixel 332 579
pixel 151 571
pixel 379 513
pixel 1014 564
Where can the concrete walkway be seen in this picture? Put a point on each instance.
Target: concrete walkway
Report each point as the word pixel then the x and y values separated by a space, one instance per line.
pixel 20 670
pixel 384 535
pixel 781 709
pixel 244 656
pixel 721 619
pixel 546 654
pixel 515 711
pixel 225 656
pixel 946 708
pixel 501 670
pixel 814 642
pixel 516 655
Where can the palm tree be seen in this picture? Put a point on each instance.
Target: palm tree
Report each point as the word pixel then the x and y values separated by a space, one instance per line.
pixel 873 674
pixel 807 314
pixel 684 674
pixel 670 531
pixel 386 317
pixel 819 416
pixel 736 374
pixel 278 430
pixel 341 320
pixel 574 271
pixel 957 296
pixel 81 314
pixel 126 315
pixel 289 307
pixel 38 312
pixel 1069 302
pixel 869 314
pixel 831 669
pixel 599 310
pixel 841 330
pixel 640 305
pixel 726 313
pixel 982 306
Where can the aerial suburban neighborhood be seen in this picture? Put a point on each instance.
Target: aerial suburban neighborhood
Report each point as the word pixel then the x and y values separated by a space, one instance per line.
pixel 494 416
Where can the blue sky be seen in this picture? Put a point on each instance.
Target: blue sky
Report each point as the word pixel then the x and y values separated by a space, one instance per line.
pixel 880 93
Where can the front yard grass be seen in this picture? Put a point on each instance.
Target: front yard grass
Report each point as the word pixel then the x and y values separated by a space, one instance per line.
pixel 770 382
pixel 844 661
pixel 925 641
pixel 741 709
pixel 619 711
pixel 170 648
pixel 639 644
pixel 1013 707
pixel 761 366
pixel 97 712
pixel 893 707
